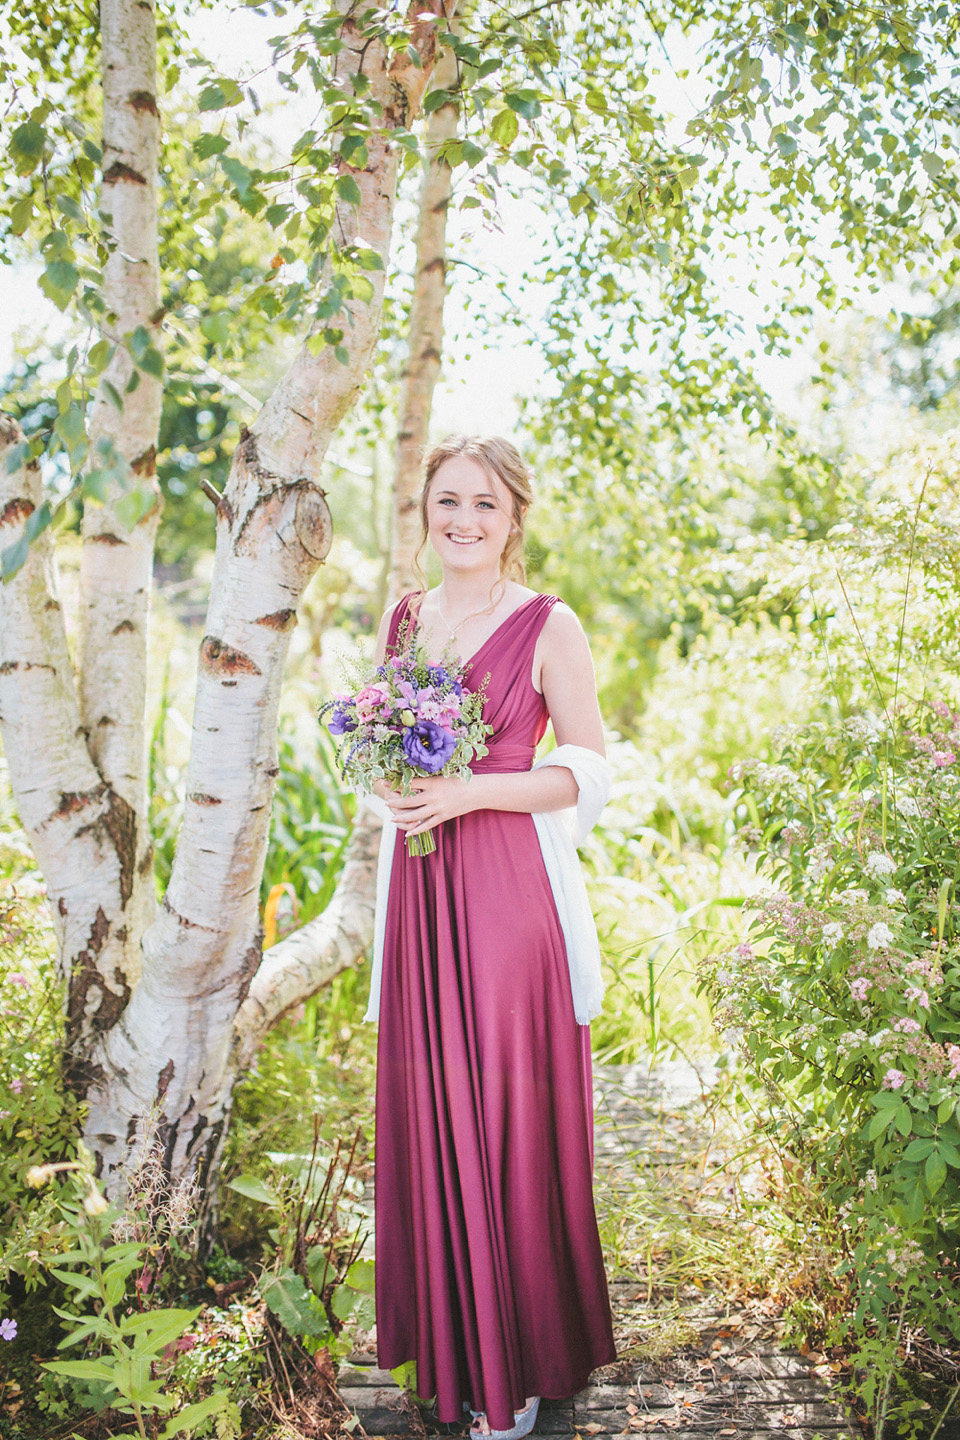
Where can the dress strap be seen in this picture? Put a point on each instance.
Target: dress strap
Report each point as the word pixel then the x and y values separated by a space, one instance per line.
pixel 403 611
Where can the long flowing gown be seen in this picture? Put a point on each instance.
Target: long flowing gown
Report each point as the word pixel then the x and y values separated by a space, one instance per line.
pixel 489 1269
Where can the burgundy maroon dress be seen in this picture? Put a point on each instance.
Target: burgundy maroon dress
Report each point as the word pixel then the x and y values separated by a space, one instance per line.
pixel 489 1269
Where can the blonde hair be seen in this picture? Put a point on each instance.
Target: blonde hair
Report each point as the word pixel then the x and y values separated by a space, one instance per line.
pixel 497 457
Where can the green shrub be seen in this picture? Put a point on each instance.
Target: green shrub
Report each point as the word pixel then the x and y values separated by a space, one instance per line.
pixel 846 1000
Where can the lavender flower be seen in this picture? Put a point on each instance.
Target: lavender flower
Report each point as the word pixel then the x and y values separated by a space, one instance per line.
pixel 8 1328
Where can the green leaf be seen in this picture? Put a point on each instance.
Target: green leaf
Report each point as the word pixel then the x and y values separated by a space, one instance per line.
pixel 238 174
pixel 191 1415
pixel 14 557
pixel 505 128
pixel 254 1189
pixel 524 102
pixel 68 206
pixel 436 100
pixel 156 1329
pixel 904 1121
pixel 950 1153
pixel 209 145
pixel 918 1149
pixel 369 260
pixel 471 153
pixel 26 146
pixel 21 214
pixel 935 1171
pixel 59 281
pixel 786 144
pixel 83 1370
pixel 220 95
pixel 348 189
pixel 879 1124
pixel 290 1300
pixel 361 1275
pixel 343 1301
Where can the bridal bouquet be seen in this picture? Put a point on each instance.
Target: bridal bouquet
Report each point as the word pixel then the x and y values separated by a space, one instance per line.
pixel 410 719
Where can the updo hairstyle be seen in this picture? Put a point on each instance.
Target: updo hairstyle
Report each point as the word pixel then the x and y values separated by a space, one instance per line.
pixel 497 457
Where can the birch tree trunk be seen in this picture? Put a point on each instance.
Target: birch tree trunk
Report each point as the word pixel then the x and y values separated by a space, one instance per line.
pixel 116 568
pixel 297 966
pixel 169 1063
pixel 426 338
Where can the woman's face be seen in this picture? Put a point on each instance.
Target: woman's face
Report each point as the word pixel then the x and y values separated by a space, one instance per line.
pixel 468 515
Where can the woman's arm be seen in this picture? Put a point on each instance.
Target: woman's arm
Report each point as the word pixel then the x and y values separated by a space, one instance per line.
pixel 564 667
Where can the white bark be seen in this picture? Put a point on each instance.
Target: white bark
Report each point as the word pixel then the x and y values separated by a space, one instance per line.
pixel 426 337
pixel 81 830
pixel 171 1060
pixel 117 562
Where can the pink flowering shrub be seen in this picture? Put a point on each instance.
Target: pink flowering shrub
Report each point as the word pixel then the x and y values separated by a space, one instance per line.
pixel 845 997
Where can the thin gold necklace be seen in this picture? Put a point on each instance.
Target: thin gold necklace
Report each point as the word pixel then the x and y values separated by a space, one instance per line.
pixel 488 610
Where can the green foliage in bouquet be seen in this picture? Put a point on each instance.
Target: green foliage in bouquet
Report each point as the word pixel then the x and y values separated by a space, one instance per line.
pixel 846 1001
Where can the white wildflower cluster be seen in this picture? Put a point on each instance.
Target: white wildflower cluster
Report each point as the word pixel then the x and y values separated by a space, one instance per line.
pixel 820 864
pixel 870 1180
pixel 806 1033
pixel 853 895
pixel 878 863
pixel 833 933
pixel 908 1256
pixel 864 729
pixel 893 896
pixel 879 936
pixel 907 806
pixel 851 1040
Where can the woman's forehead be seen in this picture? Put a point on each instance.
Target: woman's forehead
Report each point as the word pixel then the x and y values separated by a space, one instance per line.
pixel 465 475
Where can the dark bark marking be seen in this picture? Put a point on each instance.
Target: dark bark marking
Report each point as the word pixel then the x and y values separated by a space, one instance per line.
pixel 122 934
pixel 222 659
pixel 16 509
pixel 313 522
pixel 199 799
pixel 105 539
pixel 119 171
pixel 143 100
pixel 104 722
pixel 131 1129
pixel 145 464
pixel 62 906
pixel 279 620
pixel 71 801
pixel 182 919
pixel 167 1135
pixel 272 771
pixel 120 822
pixel 249 965
pixel 124 625
pixel 86 977
pixel 163 1080
pixel 438 262
pixel 210 1150
pixel 229 684
pixel 146 864
pixel 52 605
pixel 8 667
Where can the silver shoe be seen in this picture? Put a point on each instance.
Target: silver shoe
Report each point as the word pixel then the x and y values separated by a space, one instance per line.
pixel 524 1423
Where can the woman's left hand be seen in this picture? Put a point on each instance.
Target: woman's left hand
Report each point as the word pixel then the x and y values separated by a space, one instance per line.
pixel 435 798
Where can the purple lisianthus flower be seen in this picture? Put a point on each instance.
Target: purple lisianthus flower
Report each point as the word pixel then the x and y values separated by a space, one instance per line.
pixel 340 721
pixel 428 746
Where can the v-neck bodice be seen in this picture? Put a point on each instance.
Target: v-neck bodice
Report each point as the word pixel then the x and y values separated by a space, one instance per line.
pixel 503 666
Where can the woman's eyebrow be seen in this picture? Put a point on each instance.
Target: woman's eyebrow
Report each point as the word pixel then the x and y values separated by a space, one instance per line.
pixel 477 495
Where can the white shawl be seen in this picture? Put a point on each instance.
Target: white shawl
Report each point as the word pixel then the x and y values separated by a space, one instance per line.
pixel 559 833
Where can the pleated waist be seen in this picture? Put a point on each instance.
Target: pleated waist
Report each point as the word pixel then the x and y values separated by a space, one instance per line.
pixel 503 760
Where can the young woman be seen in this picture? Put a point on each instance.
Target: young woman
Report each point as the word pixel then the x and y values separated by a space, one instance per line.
pixel 489 1270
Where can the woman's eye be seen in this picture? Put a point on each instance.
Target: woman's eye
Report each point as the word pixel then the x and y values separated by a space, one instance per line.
pixel 484 505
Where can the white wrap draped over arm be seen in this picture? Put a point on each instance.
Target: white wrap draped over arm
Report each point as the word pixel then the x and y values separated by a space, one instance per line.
pixel 559 833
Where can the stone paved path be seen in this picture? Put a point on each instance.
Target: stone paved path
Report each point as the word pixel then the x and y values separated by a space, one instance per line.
pixel 726 1376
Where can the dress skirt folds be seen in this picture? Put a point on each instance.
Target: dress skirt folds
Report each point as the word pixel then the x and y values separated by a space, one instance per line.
pixel 489 1269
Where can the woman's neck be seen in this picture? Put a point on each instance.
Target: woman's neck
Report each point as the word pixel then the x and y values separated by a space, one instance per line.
pixel 472 592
